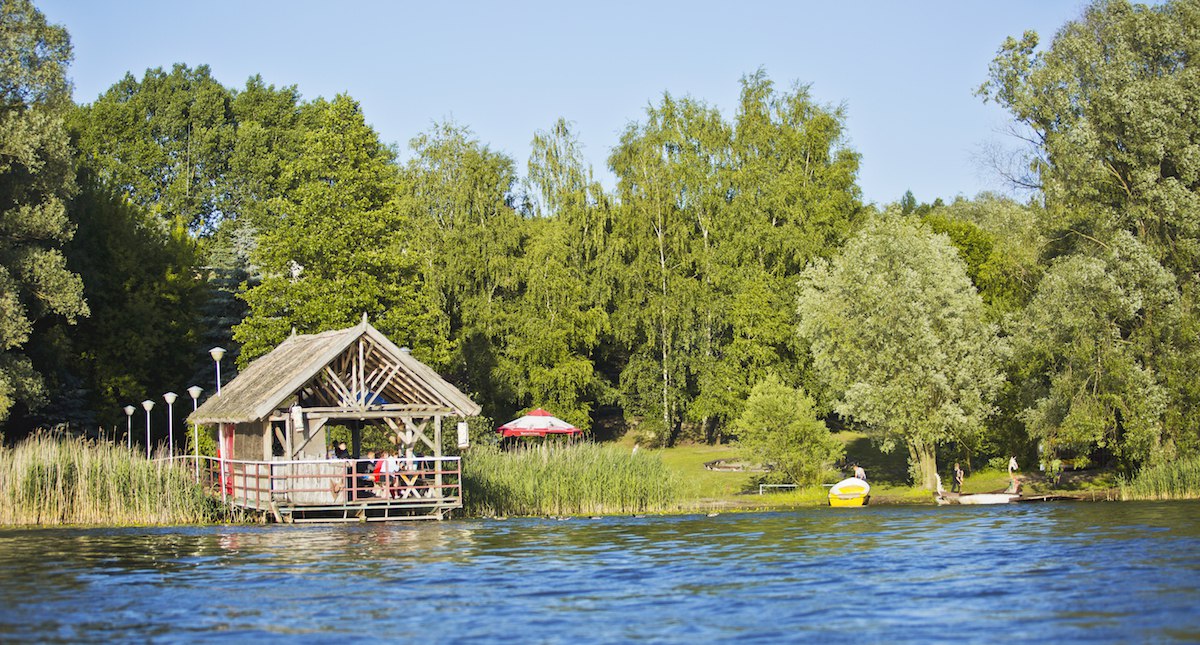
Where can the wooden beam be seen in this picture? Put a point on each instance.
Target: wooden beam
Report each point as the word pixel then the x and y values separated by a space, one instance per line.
pixel 342 391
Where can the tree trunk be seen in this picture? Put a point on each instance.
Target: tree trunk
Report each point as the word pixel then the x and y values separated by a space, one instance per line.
pixel 926 459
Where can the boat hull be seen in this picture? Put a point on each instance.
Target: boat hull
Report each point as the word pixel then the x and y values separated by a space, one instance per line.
pixel 978 498
pixel 850 492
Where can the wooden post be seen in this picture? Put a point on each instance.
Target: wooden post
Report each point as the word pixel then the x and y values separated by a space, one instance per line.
pixel 437 454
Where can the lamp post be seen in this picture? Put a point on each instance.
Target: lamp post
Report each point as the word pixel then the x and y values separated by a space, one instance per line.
pixel 129 426
pixel 148 405
pixel 195 391
pixel 217 353
pixel 170 397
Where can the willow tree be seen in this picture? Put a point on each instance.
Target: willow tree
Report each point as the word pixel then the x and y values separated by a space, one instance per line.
pixel 898 334
pixel 1109 108
pixel 1089 355
pixel 36 179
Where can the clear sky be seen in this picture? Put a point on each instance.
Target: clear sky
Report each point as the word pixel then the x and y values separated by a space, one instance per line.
pixel 905 71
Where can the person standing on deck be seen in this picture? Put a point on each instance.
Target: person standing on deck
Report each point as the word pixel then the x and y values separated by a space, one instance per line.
pixel 956 483
pixel 1012 474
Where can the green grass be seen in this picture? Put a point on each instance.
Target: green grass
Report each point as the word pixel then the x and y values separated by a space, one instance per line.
pixel 708 489
pixel 50 480
pixel 573 479
pixel 1179 479
pixel 687 463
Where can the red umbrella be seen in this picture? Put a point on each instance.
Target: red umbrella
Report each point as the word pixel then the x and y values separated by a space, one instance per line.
pixel 538 423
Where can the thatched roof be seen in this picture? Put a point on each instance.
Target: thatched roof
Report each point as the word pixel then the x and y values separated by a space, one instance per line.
pixel 356 369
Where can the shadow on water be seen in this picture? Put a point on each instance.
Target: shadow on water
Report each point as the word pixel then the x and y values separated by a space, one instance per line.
pixel 900 573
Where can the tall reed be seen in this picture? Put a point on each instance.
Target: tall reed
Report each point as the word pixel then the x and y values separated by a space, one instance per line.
pixel 57 480
pixel 1178 479
pixel 575 479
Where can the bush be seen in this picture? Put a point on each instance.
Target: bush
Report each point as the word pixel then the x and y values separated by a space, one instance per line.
pixel 780 428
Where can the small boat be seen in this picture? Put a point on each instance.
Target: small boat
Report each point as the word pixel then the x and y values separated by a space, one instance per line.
pixel 943 498
pixel 976 498
pixel 850 492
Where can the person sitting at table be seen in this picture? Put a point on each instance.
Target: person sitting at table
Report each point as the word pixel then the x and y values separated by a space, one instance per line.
pixel 391 474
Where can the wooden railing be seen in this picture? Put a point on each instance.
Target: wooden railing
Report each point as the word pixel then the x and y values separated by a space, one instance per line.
pixel 328 483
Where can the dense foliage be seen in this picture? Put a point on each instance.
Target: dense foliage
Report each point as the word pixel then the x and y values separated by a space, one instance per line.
pixel 730 273
pixel 779 427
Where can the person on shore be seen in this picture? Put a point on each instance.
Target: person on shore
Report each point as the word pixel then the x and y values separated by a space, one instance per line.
pixel 956 483
pixel 859 472
pixel 1014 484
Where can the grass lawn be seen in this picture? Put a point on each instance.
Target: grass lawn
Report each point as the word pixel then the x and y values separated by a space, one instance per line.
pixel 887 472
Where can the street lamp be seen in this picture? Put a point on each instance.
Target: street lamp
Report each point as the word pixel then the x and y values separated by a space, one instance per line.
pixel 129 426
pixel 170 397
pixel 148 405
pixel 195 391
pixel 217 353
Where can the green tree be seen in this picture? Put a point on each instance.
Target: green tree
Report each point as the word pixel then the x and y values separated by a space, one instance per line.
pixel 793 197
pixel 36 179
pixel 715 222
pixel 1110 113
pixel 897 332
pixel 1085 344
pixel 668 183
pixel 141 337
pixel 555 325
pixel 779 426
pixel 1001 244
pixel 341 245
pixel 460 196
pixel 165 141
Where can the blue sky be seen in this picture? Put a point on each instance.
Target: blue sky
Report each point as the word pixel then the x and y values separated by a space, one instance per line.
pixel 905 71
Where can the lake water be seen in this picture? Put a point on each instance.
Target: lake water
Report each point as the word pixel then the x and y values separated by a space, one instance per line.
pixel 1030 572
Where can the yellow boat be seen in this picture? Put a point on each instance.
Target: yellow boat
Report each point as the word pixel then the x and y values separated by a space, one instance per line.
pixel 850 492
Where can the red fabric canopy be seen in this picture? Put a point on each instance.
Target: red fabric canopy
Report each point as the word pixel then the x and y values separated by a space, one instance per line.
pixel 538 423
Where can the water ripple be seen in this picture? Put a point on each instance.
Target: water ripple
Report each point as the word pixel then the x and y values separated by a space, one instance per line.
pixel 1108 572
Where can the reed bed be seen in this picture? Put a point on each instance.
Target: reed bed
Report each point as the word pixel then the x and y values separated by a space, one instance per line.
pixel 47 480
pixel 1179 479
pixel 575 479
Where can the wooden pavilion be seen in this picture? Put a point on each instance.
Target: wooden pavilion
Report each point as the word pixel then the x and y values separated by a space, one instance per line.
pixel 272 426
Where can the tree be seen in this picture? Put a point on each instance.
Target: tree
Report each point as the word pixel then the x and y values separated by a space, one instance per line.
pixel 1085 345
pixel 555 324
pixel 35 181
pixel 165 141
pixel 458 193
pixel 341 245
pixel 793 198
pixel 1109 112
pixel 141 336
pixel 779 426
pixel 1000 242
pixel 670 192
pixel 715 222
pixel 898 334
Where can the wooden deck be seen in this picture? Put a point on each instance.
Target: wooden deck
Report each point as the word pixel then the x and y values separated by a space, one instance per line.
pixel 331 490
